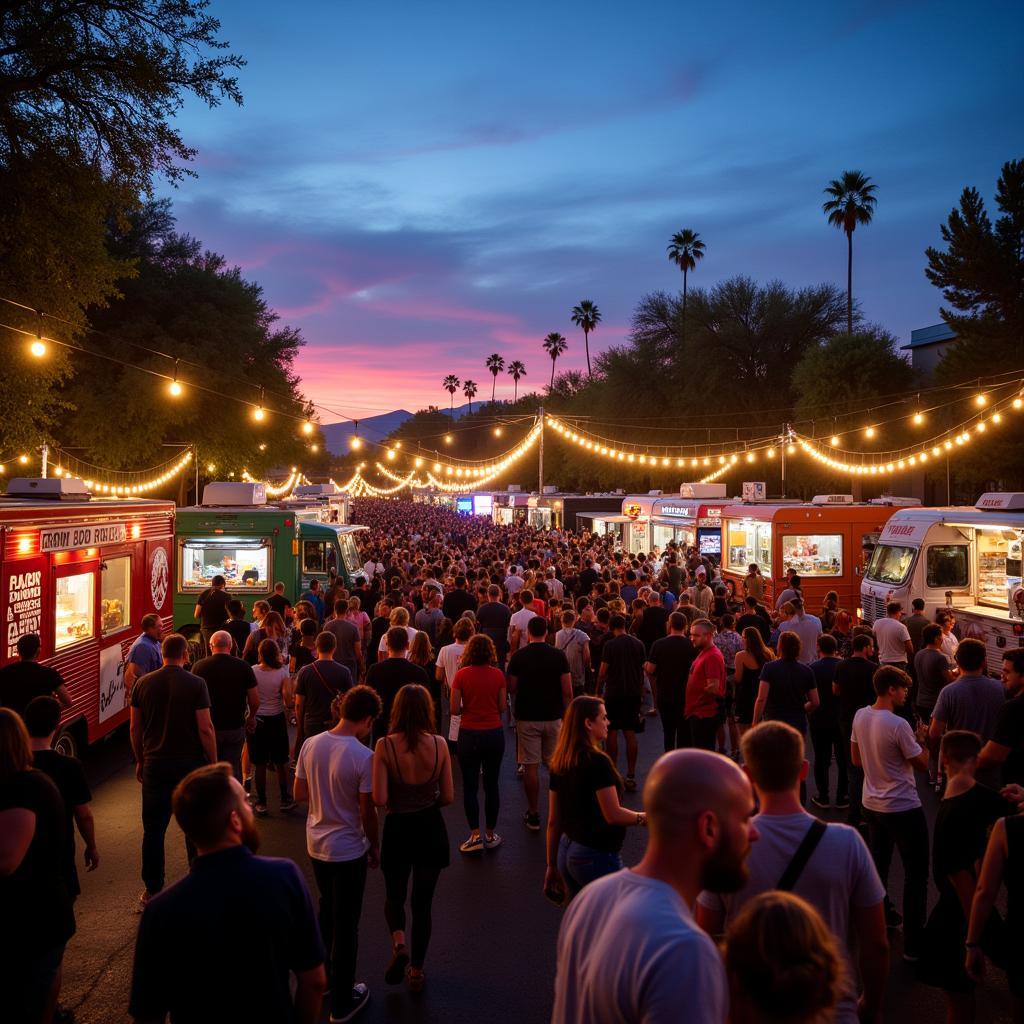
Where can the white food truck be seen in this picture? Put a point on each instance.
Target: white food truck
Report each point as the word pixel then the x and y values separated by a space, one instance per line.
pixel 967 559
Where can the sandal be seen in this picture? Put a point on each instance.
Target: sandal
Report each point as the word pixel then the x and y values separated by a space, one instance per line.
pixel 474 844
pixel 415 979
pixel 396 969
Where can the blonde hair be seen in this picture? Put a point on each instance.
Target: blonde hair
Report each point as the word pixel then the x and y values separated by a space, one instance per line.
pixel 399 617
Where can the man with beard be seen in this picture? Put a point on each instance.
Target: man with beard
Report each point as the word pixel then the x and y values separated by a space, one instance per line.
pixel 199 940
pixel 827 865
pixel 628 948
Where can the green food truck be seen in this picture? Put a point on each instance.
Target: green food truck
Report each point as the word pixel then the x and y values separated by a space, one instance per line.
pixel 253 544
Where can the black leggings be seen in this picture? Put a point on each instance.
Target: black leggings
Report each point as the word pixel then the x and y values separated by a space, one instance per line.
pixel 396 886
pixel 481 749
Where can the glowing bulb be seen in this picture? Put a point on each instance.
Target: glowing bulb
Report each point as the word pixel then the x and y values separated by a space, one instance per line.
pixel 1018 403
pixel 981 401
pixel 721 460
pixel 210 467
pixel 834 440
pixel 263 447
pixel 307 428
pixel 750 456
pixel 314 448
pixel 981 427
pixel 997 417
pixel 791 450
pixel 258 414
pixel 174 389
pixel 447 438
pixel 437 467
pixel 771 453
pixel 869 432
pixel 707 461
pixel 391 455
pixel 38 348
pixel 23 459
pixel 497 431
pixel 355 443
pixel 918 419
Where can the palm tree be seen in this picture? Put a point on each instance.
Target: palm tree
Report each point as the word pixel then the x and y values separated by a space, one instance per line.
pixel 517 370
pixel 586 316
pixel 469 390
pixel 554 345
pixel 684 251
pixel 451 384
pixel 852 202
pixel 495 364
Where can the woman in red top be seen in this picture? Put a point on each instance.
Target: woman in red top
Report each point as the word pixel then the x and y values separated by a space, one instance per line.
pixel 478 695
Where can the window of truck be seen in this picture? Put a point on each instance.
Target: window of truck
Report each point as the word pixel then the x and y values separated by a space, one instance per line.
pixel 349 553
pixel 749 542
pixel 74 614
pixel 890 564
pixel 245 565
pixel 946 566
pixel 115 594
pixel 313 560
pixel 813 554
pixel 999 566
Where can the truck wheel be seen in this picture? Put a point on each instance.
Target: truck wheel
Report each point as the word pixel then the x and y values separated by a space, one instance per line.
pixel 66 743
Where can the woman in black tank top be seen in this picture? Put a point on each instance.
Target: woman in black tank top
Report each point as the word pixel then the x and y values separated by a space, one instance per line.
pixel 412 779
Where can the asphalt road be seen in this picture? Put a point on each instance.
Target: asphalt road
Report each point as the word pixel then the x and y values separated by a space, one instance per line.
pixel 492 951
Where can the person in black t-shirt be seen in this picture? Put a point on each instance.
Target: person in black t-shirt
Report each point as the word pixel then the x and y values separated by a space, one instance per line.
pixel 279 603
pixel 492 619
pixel 824 725
pixel 41 719
pixel 26 678
pixel 237 626
pixel 212 610
pixel 653 622
pixel 231 684
pixel 35 905
pixel 458 600
pixel 1007 744
pixel 586 822
pixel 668 664
pixel 853 689
pixel 317 685
pixel 621 681
pixel 387 677
pixel 754 615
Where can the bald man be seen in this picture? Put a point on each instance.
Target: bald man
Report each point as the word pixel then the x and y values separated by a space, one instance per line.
pixel 628 948
pixel 232 686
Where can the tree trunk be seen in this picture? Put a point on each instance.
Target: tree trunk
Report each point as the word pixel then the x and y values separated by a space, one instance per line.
pixel 684 303
pixel 586 345
pixel 515 390
pixel 551 386
pixel 494 384
pixel 849 282
pixel 451 408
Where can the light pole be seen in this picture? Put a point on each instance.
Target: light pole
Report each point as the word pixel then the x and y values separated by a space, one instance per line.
pixel 540 460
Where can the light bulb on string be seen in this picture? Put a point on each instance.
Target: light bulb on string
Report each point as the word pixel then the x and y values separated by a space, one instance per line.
pixel 37 347
pixel 981 400
pixel 869 432
pixel 447 438
pixel 174 389
pixel 834 440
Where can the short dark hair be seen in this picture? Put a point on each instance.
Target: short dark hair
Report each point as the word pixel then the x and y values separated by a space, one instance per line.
pixel 959 745
pixel 971 654
pixel 728 620
pixel 862 641
pixel 677 621
pixel 218 581
pixel 892 607
pixel 360 703
pixel 326 642
pixel 537 627
pixel 773 753
pixel 750 601
pixel 28 646
pixel 887 677
pixel 175 646
pixel 616 622
pixel 917 604
pixel 931 633
pixel 1016 659
pixel 341 605
pixel 42 716
pixel 203 802
pixel 603 615
pixel 308 627
pixel 827 644
pixel 460 581
pixel 794 580
pixel 236 609
pixel 149 621
pixel 789 645
pixel 525 596
pixel 397 639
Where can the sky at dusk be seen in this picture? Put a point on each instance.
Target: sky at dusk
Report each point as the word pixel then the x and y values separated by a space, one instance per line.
pixel 418 185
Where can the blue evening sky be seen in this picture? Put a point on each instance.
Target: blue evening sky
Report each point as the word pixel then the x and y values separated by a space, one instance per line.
pixel 417 185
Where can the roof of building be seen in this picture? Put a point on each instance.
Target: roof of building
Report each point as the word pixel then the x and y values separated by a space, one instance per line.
pixel 929 336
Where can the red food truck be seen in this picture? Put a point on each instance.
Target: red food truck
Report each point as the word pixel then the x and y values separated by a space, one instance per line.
pixel 82 572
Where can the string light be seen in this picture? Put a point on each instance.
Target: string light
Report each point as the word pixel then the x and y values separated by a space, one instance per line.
pixel 174 388
pixel 981 400
pixel 835 440
pixel 869 433
pixel 37 348
pixel 447 438
pixel 307 428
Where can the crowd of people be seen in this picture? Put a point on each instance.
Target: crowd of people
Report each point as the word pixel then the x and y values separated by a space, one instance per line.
pixel 360 699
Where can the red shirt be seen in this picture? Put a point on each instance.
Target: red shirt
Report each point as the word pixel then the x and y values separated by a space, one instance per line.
pixel 708 665
pixel 479 686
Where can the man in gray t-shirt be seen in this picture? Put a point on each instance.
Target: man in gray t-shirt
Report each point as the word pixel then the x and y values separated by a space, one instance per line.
pixel 931 668
pixel 348 651
pixel 973 703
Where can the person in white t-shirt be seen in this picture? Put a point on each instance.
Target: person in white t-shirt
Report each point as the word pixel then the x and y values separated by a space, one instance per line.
pixel 838 878
pixel 520 620
pixel 885 747
pixel 514 582
pixel 892 638
pixel 334 772
pixel 628 947
pixel 398 617
pixel 448 657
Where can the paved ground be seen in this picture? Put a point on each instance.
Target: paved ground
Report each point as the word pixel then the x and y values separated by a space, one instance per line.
pixel 492 953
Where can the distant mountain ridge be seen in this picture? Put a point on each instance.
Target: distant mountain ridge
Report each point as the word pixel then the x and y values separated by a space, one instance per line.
pixel 374 428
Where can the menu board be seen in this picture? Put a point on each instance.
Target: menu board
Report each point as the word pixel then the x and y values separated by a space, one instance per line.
pixel 23 602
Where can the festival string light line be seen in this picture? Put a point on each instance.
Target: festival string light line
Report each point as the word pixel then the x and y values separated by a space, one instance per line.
pixel 125 482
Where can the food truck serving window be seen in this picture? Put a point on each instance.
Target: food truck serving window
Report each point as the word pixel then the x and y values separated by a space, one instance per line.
pixel 890 563
pixel 245 565
pixel 813 554
pixel 947 566
pixel 350 553
pixel 115 593
pixel 749 542
pixel 999 566
pixel 74 613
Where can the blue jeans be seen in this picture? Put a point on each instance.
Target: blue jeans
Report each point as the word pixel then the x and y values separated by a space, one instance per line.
pixel 481 749
pixel 579 864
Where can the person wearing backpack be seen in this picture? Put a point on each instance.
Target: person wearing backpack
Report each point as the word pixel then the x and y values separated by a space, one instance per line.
pixel 316 687
pixel 829 866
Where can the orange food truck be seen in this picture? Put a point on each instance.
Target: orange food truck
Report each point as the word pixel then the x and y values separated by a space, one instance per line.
pixel 82 572
pixel 828 541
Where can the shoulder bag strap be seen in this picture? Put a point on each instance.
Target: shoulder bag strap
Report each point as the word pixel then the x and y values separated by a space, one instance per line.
pixel 796 866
